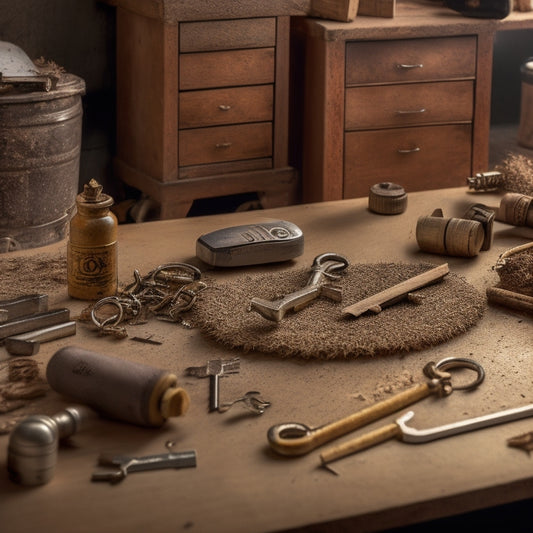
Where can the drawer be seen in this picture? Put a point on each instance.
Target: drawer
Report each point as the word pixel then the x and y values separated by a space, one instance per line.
pixel 420 158
pixel 374 62
pixel 225 143
pixel 227 34
pixel 409 104
pixel 215 107
pixel 206 70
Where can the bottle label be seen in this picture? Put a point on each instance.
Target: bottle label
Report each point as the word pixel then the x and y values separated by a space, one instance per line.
pixel 92 271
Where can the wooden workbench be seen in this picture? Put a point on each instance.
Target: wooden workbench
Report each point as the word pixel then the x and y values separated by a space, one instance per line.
pixel 239 485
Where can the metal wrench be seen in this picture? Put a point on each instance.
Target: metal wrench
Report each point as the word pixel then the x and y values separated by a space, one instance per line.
pixel 122 465
pixel 400 430
pixel 322 271
pixel 293 438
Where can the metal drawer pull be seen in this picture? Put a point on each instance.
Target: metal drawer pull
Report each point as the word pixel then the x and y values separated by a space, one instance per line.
pixel 223 107
pixel 406 66
pixel 223 145
pixel 410 111
pixel 409 151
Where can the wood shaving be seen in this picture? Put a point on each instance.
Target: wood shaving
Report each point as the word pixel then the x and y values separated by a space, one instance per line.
pixel 41 273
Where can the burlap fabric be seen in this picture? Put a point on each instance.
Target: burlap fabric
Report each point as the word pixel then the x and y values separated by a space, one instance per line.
pixel 444 310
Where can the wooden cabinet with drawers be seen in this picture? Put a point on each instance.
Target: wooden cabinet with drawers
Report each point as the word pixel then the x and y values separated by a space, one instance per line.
pixel 410 105
pixel 202 108
pixel 408 112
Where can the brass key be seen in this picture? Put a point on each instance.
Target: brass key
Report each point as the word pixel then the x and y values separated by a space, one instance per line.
pixel 293 438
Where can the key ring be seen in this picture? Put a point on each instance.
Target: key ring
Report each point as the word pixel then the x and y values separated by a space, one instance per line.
pixel 457 362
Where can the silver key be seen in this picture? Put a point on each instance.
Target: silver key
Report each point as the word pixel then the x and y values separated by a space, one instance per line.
pixel 322 270
pixel 215 369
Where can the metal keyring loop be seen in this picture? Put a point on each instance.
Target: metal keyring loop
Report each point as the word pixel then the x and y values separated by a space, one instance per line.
pixel 114 320
pixel 463 362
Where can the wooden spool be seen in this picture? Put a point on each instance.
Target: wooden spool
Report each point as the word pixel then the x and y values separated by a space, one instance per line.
pixel 387 198
pixel 516 209
pixel 449 236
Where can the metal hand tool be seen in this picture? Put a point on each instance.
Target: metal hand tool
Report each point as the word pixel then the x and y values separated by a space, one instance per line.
pixel 251 401
pixel 297 439
pixel 215 369
pixel 22 306
pixel 396 293
pixel 400 430
pixel 29 343
pixel 31 322
pixel 122 465
pixel 322 269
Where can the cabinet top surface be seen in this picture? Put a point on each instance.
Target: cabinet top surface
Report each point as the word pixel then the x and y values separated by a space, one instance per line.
pixel 415 18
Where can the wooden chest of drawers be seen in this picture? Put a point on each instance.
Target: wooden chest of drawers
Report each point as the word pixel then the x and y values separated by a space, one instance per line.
pixel 408 112
pixel 202 109
pixel 413 110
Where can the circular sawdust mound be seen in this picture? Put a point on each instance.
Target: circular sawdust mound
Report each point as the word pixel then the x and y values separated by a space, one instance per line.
pixel 443 311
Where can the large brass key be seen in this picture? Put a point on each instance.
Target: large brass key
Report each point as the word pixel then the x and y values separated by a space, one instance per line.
pixel 293 438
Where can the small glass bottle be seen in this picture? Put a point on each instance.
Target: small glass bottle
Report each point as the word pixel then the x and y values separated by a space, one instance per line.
pixel 92 262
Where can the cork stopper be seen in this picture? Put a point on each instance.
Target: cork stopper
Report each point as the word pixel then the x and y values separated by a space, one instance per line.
pixel 93 195
pixel 387 198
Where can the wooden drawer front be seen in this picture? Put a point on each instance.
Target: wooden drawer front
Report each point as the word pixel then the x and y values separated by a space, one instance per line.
pixel 409 104
pixel 227 34
pixel 443 158
pixel 226 69
pixel 215 107
pixel 225 143
pixel 372 62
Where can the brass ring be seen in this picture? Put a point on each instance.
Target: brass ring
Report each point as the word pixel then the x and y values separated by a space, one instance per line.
pixel 463 362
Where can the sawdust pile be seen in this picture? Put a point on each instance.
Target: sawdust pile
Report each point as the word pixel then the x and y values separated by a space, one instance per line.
pixel 42 273
pixel 517 170
pixel 444 310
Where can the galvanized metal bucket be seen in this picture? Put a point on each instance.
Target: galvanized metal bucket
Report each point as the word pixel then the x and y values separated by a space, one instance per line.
pixel 40 143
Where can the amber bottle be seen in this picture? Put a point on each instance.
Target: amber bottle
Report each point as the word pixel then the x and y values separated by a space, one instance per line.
pixel 92 264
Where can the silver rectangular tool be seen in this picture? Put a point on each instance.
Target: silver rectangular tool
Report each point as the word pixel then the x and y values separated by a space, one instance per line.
pixel 31 322
pixel 30 342
pixel 118 467
pixel 22 306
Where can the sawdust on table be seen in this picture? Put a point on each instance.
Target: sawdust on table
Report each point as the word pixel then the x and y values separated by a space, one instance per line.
pixel 41 273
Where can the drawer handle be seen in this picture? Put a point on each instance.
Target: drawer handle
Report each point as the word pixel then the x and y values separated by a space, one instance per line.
pixel 223 107
pixel 409 151
pixel 410 111
pixel 223 145
pixel 406 66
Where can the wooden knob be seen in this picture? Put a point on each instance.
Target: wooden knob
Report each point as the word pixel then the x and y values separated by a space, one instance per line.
pixel 387 198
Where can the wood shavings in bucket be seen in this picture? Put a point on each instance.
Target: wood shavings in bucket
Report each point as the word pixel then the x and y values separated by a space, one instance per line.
pixel 446 309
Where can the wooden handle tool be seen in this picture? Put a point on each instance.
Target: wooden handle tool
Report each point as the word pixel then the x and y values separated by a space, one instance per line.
pixel 396 293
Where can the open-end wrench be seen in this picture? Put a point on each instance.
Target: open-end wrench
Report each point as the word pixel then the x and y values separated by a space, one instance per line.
pixel 122 465
pixel 400 430
pixel 322 270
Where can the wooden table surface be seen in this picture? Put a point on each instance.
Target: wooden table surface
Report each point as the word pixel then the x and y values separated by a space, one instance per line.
pixel 239 485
